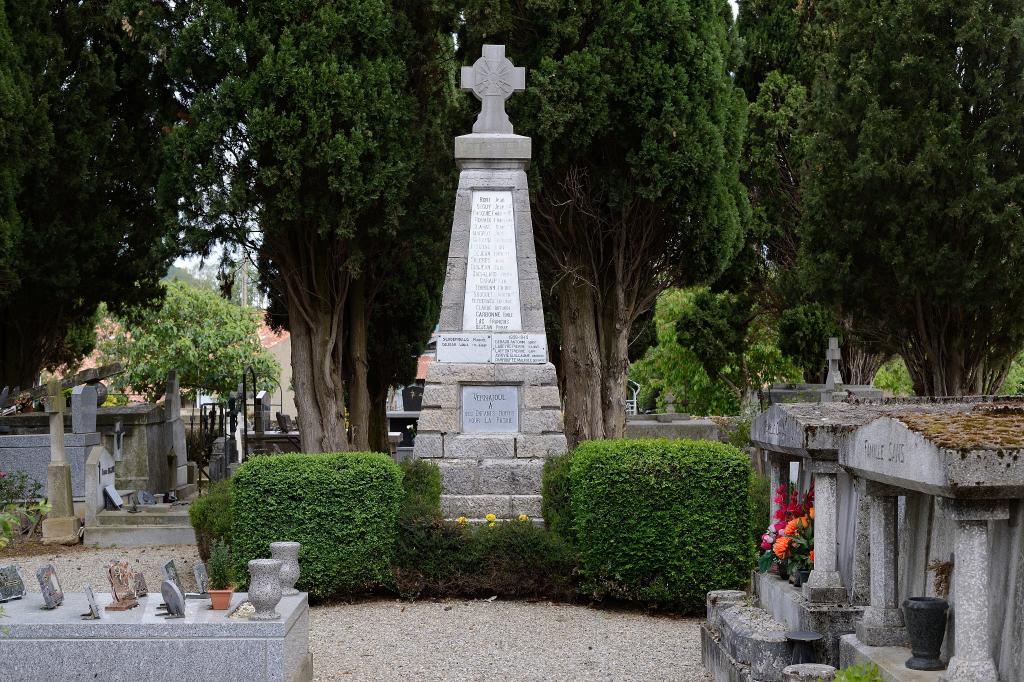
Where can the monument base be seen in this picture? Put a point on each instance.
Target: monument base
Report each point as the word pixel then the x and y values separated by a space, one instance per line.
pixel 61 530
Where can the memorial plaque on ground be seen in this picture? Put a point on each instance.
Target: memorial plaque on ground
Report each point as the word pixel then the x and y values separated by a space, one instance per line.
pixel 141 589
pixel 53 595
pixel 492 272
pixel 11 584
pixel 202 579
pixel 145 497
pixel 174 600
pixel 90 599
pixel 490 409
pixel 122 586
pixel 171 573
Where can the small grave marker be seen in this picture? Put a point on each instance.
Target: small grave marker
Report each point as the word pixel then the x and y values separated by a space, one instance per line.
pixel 174 600
pixel 141 589
pixel 202 579
pixel 171 573
pixel 112 498
pixel 11 584
pixel 94 611
pixel 122 586
pixel 53 595
pixel 145 497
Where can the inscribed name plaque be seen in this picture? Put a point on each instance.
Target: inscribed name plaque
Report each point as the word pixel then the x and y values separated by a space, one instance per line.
pixel 490 409
pixel 464 348
pixel 49 586
pixel 484 347
pixel 492 271
pixel 11 584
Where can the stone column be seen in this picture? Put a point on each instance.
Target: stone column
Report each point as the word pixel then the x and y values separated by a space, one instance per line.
pixel 778 473
pixel 972 658
pixel 825 584
pixel 860 590
pixel 882 624
pixel 60 527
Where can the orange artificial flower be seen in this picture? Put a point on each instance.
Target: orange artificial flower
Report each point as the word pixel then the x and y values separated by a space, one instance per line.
pixel 812 556
pixel 812 512
pixel 804 523
pixel 790 529
pixel 781 547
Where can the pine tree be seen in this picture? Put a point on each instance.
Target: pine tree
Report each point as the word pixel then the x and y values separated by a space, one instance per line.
pixel 913 181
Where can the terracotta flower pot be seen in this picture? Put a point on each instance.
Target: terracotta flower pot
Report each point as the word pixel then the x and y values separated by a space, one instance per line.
pixel 220 600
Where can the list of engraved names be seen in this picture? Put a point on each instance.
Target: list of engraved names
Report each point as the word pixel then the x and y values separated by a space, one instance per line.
pixel 492 276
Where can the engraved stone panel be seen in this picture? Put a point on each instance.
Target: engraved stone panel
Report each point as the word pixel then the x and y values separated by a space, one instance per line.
pixel 492 272
pixel 490 409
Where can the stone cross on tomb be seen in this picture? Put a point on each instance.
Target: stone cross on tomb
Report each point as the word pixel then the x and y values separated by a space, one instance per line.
pixel 55 410
pixel 493 79
pixel 833 356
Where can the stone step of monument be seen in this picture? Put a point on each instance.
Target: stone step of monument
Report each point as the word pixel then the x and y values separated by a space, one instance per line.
pixel 479 506
pixel 173 516
pixel 134 536
pixel 490 476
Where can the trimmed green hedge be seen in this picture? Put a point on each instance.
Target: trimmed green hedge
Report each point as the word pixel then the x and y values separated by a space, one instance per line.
pixel 342 507
pixel 555 502
pixel 661 521
pixel 421 481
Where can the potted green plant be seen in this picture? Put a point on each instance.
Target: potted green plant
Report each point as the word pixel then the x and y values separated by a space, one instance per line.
pixel 222 576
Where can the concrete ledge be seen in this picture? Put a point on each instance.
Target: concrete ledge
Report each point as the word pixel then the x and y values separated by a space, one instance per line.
pixel 490 476
pixel 891 661
pixel 752 637
pixel 134 535
pixel 124 646
pixel 692 429
pixel 717 661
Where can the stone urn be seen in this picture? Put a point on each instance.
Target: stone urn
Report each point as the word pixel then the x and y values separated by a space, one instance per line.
pixel 288 553
pixel 926 628
pixel 265 588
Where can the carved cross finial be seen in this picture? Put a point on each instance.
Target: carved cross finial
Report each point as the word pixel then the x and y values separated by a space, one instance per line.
pixel 833 356
pixel 493 79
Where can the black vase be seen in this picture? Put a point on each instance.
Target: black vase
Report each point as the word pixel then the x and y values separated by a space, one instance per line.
pixel 926 627
pixel 801 577
pixel 784 570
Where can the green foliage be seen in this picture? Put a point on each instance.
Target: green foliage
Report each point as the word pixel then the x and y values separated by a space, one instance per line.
pixel 421 481
pixel 17 488
pixel 510 559
pixel 913 181
pixel 341 507
pixel 894 378
pixel 556 496
pixel 859 673
pixel 207 339
pixel 661 521
pixel 760 505
pixel 1014 384
pixel 670 367
pixel 83 106
pixel 219 567
pixel 210 515
pixel 804 331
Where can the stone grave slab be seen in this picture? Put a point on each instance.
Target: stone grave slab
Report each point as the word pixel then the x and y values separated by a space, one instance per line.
pixel 49 587
pixel 12 586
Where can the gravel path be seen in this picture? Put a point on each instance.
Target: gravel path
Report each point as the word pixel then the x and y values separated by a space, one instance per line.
pixel 386 639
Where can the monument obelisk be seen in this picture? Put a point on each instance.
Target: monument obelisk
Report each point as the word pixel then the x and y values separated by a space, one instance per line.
pixel 491 409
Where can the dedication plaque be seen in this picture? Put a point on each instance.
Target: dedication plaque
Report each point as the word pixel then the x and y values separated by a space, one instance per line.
pixel 496 347
pixel 490 409
pixel 492 272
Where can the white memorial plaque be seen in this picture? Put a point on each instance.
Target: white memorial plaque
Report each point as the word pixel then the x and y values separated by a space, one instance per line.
pixel 492 274
pixel 468 347
pixel 490 409
pixel 519 349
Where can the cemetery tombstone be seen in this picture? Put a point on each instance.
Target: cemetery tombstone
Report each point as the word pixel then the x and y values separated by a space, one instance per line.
pixel 171 573
pixel 490 409
pixel 94 611
pixel 11 584
pixel 141 589
pixel 49 586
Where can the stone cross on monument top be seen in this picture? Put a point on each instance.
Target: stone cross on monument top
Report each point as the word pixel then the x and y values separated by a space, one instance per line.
pixel 833 356
pixel 493 79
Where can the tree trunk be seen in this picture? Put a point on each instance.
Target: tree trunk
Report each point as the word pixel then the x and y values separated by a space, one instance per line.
pixel 359 390
pixel 615 359
pixel 21 355
pixel 580 362
pixel 860 364
pixel 378 434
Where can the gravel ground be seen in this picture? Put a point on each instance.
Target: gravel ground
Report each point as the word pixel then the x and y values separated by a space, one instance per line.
pixel 388 639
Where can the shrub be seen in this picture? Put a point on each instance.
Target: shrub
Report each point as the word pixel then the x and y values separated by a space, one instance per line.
pixel 210 515
pixel 760 506
pixel 341 507
pixel 421 482
pixel 555 497
pixel 219 568
pixel 661 521
pixel 510 559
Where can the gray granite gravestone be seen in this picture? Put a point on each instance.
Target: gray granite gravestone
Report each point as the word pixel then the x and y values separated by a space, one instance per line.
pixel 491 411
pixel 174 600
pixel 94 612
pixel 171 573
pixel 11 584
pixel 49 586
